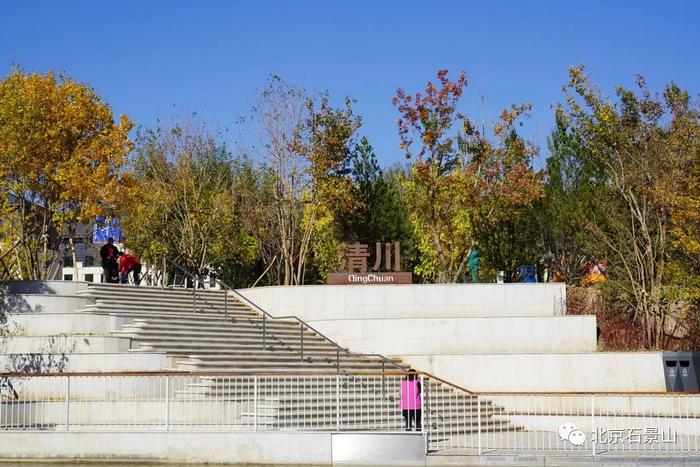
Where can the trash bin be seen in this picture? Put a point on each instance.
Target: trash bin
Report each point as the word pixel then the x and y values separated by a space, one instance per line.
pixel 681 371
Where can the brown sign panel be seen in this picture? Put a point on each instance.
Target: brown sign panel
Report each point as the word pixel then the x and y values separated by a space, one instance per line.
pixel 357 278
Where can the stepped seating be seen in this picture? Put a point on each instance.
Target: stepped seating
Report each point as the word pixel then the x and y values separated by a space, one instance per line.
pixel 215 332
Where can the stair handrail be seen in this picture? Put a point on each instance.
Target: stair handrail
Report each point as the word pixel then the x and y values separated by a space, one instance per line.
pixel 266 315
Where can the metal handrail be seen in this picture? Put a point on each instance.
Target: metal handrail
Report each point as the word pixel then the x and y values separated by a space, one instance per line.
pixel 303 324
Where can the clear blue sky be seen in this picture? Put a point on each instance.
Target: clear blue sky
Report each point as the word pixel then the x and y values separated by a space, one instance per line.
pixel 159 59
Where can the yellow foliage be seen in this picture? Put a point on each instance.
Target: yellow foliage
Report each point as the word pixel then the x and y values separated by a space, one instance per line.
pixel 59 141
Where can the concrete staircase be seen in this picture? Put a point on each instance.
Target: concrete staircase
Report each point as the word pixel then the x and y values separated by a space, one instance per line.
pixel 215 332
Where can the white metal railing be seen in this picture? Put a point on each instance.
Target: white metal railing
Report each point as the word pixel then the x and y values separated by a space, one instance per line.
pixel 201 402
pixel 452 418
pixel 574 424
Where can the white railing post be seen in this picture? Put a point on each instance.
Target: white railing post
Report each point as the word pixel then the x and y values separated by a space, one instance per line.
pixel 337 403
pixel 255 403
pixel 593 429
pixel 194 297
pixel 422 404
pixel 424 413
pixel 478 425
pixel 167 403
pixel 67 403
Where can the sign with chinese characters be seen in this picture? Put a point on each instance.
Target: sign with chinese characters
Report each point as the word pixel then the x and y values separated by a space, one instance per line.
pixel 646 435
pixel 354 265
pixel 649 435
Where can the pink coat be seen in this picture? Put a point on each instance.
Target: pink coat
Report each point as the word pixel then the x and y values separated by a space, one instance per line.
pixel 410 395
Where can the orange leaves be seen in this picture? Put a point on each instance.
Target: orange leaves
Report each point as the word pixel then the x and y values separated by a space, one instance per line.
pixel 429 116
pixel 481 179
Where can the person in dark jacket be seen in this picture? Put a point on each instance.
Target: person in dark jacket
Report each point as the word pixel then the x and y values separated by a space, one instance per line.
pixel 109 254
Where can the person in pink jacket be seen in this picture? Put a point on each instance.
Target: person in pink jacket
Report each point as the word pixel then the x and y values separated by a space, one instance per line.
pixel 411 405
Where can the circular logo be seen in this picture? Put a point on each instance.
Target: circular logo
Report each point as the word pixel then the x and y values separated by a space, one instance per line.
pixel 569 432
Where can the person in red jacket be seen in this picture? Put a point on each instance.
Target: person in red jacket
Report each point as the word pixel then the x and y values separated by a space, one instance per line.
pixel 129 263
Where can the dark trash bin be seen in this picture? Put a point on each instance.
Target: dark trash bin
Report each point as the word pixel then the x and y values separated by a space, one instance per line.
pixel 681 371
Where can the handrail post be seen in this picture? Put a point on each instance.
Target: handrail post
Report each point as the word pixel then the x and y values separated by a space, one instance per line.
pixel 383 380
pixel 593 429
pixel 478 425
pixel 255 403
pixel 194 300
pixel 167 403
pixel 67 403
pixel 225 304
pixel 264 319
pixel 301 339
pixel 422 404
pixel 425 414
pixel 337 403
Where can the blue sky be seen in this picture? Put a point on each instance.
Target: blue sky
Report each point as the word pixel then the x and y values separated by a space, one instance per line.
pixel 161 59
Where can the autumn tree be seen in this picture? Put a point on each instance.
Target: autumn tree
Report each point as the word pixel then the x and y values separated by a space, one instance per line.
pixel 438 205
pixel 501 186
pixel 186 209
pixel 305 144
pixel 644 149
pixel 465 181
pixel 62 161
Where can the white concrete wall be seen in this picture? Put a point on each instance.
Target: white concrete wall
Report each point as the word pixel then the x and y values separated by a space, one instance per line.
pixel 322 302
pixel 553 334
pixel 64 344
pixel 47 324
pixel 108 362
pixel 378 448
pixel 46 287
pixel 38 303
pixel 583 372
pixel 225 448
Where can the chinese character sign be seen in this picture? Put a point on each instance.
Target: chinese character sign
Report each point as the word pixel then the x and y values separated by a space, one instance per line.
pixel 354 257
pixel 637 435
pixel 360 265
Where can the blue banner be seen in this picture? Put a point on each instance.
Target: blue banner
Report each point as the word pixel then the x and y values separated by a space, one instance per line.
pixel 105 228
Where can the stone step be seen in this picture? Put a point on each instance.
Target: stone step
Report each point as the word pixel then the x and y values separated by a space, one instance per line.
pixel 350 418
pixel 225 342
pixel 234 335
pixel 169 311
pixel 372 402
pixel 103 287
pixel 246 346
pixel 160 304
pixel 230 350
pixel 191 319
pixel 272 358
pixel 92 309
pixel 167 295
pixel 277 367
pixel 175 333
pixel 204 316
pixel 305 387
pixel 189 323
pixel 291 391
